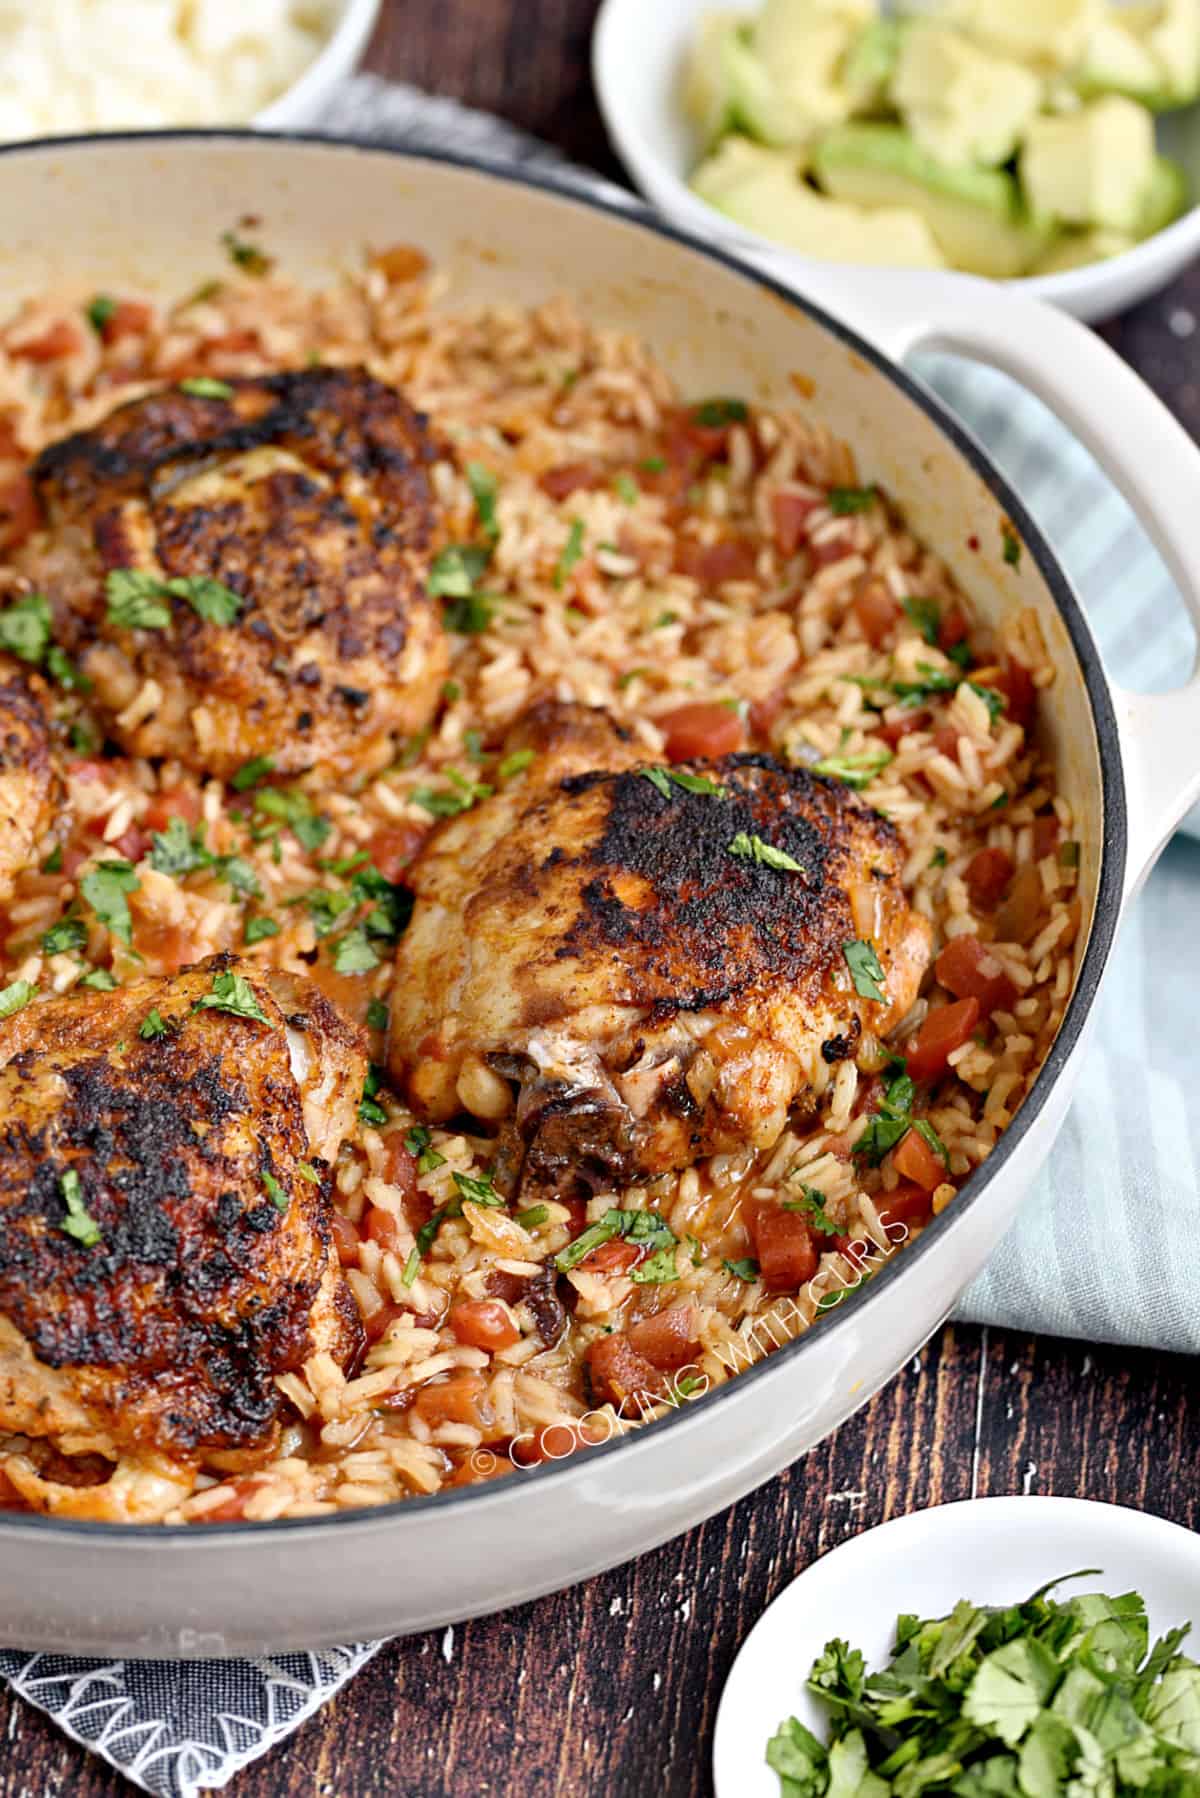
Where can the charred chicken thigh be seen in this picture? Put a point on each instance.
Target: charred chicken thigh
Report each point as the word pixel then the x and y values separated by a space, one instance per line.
pixel 27 779
pixel 655 956
pixel 292 516
pixel 165 1238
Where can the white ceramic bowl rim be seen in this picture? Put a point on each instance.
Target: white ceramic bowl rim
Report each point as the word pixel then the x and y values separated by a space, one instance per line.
pixel 344 43
pixel 1113 848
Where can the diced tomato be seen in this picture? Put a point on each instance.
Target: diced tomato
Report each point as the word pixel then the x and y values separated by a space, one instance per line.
pixel 60 339
pixel 988 874
pixel 946 1028
pixel 668 1339
pixel 130 318
pixel 831 549
pixel 945 741
pixel 1016 683
pixel 400 1166
pixel 556 1441
pixel 577 1220
pixel 952 628
pixel 392 848
pixel 383 1227
pixel 908 1204
pixel 18 511
pixel 733 559
pixel 967 970
pixel 1020 915
pixel 789 514
pixel 618 1374
pixel 132 844
pixel 400 262
pixel 173 802
pixel 86 770
pixel 701 731
pixel 902 727
pixel 1046 832
pixel 453 1398
pixel 709 439
pixel 170 945
pixel 876 611
pixel 566 478
pixel 914 1160
pixel 615 1257
pixel 345 1239
pixel 483 1324
pixel 784 1248
pixel 73 860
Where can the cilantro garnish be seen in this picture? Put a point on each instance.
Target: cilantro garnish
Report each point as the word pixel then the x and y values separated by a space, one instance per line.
pixel 67 937
pixel 456 569
pixel 79 1221
pixel 745 1269
pixel 204 387
pixel 865 970
pixel 247 256
pixel 232 993
pixel 25 627
pixel 753 849
pixel 662 778
pixel 516 763
pixel 177 850
pixel 251 772
pixel 812 1202
pixel 448 802
pixel 646 1228
pixel 257 930
pixel 627 489
pixel 484 487
pixel 370 1111
pixel 926 614
pixel 1047 1698
pixel 99 310
pixel 992 699
pixel 274 1191
pixel 354 953
pixel 572 551
pixel 531 1218
pixel 857 771
pixel 716 413
pixel 15 997
pixel 137 600
pixel 99 980
pixel 104 887
pixel 377 1015
pixel 152 1025
pixel 418 1141
pixel 844 501
pixel 1012 544
pixel 478 1191
pixel 293 807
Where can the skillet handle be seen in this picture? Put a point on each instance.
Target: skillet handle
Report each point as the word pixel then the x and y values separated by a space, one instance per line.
pixel 1144 450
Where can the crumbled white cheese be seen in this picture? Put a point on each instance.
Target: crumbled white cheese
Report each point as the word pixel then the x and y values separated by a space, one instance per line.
pixel 101 65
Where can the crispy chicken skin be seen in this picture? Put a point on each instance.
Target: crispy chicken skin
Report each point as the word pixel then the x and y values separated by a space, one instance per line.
pixel 161 1340
pixel 656 997
pixel 307 494
pixel 28 784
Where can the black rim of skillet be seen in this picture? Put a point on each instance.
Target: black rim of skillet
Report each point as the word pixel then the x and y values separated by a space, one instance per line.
pixel 1113 847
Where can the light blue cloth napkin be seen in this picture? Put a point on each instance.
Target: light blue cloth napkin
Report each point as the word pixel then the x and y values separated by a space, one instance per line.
pixel 1100 1250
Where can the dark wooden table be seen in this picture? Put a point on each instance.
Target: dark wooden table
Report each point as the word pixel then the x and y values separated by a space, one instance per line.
pixel 610 1690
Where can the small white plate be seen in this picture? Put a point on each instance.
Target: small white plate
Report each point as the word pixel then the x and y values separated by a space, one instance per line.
pixel 991 1550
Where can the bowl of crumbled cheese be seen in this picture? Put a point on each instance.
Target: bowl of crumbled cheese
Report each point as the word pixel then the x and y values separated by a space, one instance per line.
pixel 78 66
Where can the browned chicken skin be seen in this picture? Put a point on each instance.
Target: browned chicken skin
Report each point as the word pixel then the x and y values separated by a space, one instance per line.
pixel 657 996
pixel 27 780
pixel 166 1247
pixel 307 494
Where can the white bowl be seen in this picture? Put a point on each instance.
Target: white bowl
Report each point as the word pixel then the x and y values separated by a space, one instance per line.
pixel 637 53
pixel 991 1550
pixel 304 102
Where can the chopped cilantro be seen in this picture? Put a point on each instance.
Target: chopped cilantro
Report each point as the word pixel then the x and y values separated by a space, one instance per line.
pixel 715 413
pixel 1012 544
pixel 939 858
pixel 104 887
pixel 652 464
pixel 658 1269
pixel 79 1221
pixel 930 1137
pixel 812 1202
pixel 753 849
pixel 293 807
pixel 890 1123
pixel 572 551
pixel 844 501
pixel 451 692
pixel 99 980
pixel 377 1015
pixel 533 1216
pixel 663 778
pixel 246 256
pixel 926 614
pixel 54 861
pixel 308 1173
pixel 152 1025
pixel 256 930
pixel 857 771
pixel 241 876
pixel 275 1192
pixel 484 487
pixel 516 763
pixel 67 937
pixel 370 1111
pixel 448 802
pixel 99 311
pixel 992 699
pixel 456 569
pixel 15 997
pixel 480 1191
pixel 916 692
pixel 865 970
pixel 204 387
pixel 135 601
pixel 645 1228
pixel 630 675
pixel 418 1141
pixel 745 1269
pixel 25 628
pixel 251 772
pixel 469 615
pixel 354 953
pixel 232 993
pixel 627 489
pixel 663 619
pixel 177 850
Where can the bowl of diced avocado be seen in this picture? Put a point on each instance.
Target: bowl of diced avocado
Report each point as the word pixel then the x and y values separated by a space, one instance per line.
pixel 1051 142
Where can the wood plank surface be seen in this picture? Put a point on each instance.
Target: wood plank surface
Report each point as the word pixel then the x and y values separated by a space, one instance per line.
pixel 610 1690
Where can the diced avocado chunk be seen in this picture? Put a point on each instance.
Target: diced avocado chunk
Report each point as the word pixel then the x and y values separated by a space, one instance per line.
pixel 765 191
pixel 1045 34
pixel 784 78
pixel 870 63
pixel 975 214
pixel 1092 167
pixel 706 96
pixel 961 103
pixel 1075 249
pixel 1174 42
pixel 1166 197
pixel 1115 62
pixel 775 115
